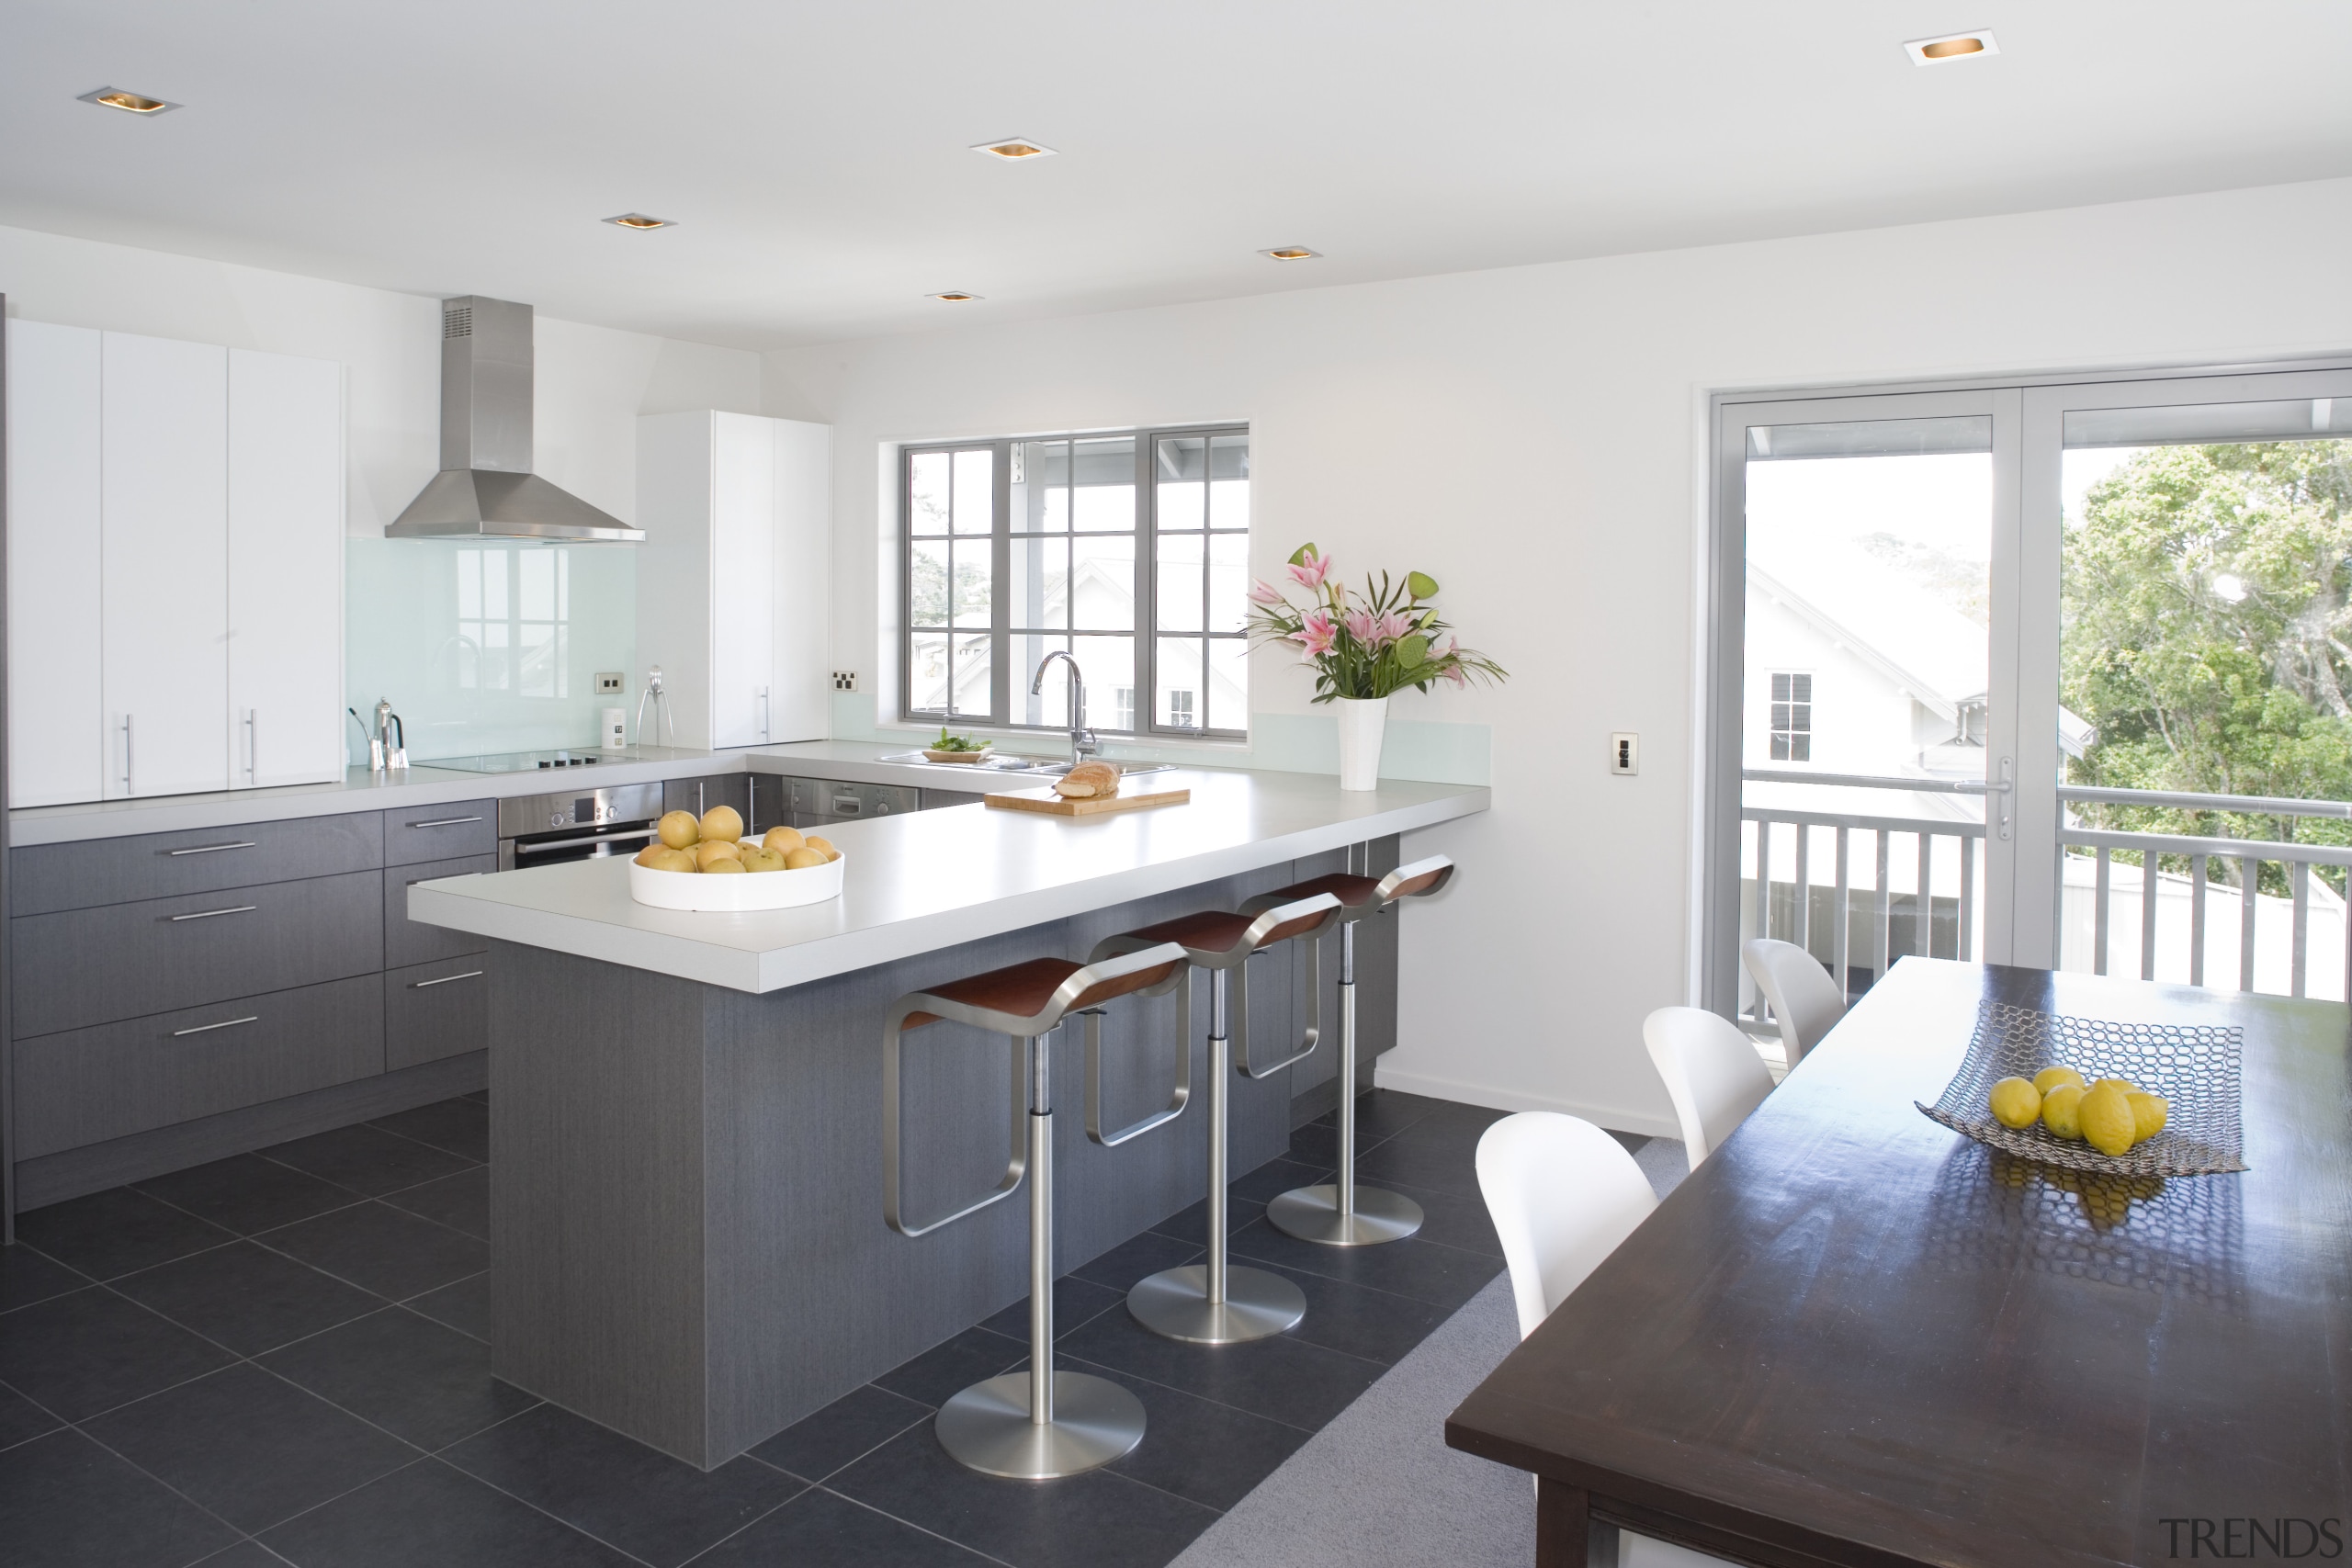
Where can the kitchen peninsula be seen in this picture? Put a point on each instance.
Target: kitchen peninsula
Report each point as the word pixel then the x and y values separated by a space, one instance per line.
pixel 687 1203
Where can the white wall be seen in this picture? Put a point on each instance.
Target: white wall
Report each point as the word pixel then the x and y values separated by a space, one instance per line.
pixel 592 384
pixel 1531 437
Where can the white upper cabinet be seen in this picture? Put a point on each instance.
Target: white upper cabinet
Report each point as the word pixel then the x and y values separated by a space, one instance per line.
pixel 57 744
pixel 286 495
pixel 731 586
pixel 175 567
pixel 163 528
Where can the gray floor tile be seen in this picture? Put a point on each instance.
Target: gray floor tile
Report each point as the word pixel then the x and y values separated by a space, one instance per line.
pixel 1211 1454
pixel 1444 1277
pixel 460 1202
pixel 21 1420
pixel 1282 1378
pixel 460 1126
pixel 245 1554
pixel 418 1379
pixel 26 1276
pixel 1132 1259
pixel 1075 1301
pixel 1359 1321
pixel 820 1529
pixel 249 1447
pixel 652 1507
pixel 247 1297
pixel 79 1354
pixel 383 1249
pixel 464 1306
pixel 949 1367
pixel 114 1231
pixel 247 1193
pixel 368 1159
pixel 430 1514
pixel 67 1503
pixel 845 1431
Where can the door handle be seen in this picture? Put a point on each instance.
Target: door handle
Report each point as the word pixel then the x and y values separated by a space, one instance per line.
pixel 2007 790
pixel 208 914
pixel 126 753
pixel 224 1023
pixel 252 744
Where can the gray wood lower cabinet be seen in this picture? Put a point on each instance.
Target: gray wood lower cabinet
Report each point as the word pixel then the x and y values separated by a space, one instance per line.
pixel 437 1009
pixel 87 966
pixel 87 1085
pixel 440 832
pixel 406 942
pixel 43 878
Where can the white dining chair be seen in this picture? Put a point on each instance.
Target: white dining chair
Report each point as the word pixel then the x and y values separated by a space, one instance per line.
pixel 1562 1194
pixel 1804 999
pixel 1711 1071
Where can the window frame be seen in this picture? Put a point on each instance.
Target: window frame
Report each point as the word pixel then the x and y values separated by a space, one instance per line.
pixel 1782 737
pixel 1146 633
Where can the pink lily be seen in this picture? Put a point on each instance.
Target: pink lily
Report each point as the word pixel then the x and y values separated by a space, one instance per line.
pixel 1363 628
pixel 1393 625
pixel 1315 634
pixel 1264 592
pixel 1309 573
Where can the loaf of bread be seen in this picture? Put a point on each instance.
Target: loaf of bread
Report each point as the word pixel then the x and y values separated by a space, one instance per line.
pixel 1088 780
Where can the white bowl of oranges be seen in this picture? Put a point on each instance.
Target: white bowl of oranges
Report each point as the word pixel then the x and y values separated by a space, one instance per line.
pixel 707 865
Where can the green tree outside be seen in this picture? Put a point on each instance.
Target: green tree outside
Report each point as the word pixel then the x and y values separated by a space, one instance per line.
pixel 2207 632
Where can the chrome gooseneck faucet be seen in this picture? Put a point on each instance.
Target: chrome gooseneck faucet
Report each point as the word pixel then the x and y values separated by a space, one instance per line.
pixel 1082 741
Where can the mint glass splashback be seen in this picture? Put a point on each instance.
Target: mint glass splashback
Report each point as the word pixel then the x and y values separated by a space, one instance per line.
pixel 488 645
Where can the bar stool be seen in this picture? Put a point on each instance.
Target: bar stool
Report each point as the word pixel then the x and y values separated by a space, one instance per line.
pixel 1212 1302
pixel 1341 1213
pixel 1038 1425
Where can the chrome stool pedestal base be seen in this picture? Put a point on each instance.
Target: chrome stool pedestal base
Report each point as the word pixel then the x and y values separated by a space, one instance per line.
pixel 1175 1304
pixel 987 1427
pixel 1313 1214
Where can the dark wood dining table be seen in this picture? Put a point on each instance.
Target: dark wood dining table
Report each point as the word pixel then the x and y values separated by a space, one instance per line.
pixel 1854 1337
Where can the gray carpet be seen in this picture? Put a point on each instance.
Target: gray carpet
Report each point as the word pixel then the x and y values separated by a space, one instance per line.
pixel 1378 1488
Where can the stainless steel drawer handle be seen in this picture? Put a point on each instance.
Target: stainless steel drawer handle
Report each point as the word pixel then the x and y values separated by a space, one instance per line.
pixel 211 848
pixel 208 914
pixel 468 974
pixel 446 822
pixel 224 1023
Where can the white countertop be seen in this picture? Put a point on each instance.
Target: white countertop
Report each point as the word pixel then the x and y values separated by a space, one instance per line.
pixel 935 879
pixel 425 785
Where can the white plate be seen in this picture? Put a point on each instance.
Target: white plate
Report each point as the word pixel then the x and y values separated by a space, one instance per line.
pixel 728 894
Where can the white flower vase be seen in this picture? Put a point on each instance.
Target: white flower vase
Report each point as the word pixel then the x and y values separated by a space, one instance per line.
pixel 1361 722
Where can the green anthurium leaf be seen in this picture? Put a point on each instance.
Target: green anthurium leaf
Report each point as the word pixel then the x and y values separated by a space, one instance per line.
pixel 1422 584
pixel 1411 651
pixel 1299 556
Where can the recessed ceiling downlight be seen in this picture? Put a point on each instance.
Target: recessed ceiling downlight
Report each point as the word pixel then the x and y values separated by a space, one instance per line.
pixel 1290 252
pixel 1949 47
pixel 953 296
pixel 1013 148
pixel 640 221
pixel 126 100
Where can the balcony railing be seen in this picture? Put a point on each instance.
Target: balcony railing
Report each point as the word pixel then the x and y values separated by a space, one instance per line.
pixel 1909 885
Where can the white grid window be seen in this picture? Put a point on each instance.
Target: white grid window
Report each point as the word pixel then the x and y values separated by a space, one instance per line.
pixel 1792 717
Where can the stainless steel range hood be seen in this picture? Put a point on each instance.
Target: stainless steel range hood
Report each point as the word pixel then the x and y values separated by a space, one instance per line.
pixel 485 488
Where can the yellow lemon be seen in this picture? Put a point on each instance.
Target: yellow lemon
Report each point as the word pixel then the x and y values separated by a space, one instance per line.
pixel 677 828
pixel 824 845
pixel 783 840
pixel 2059 1108
pixel 660 857
pixel 2148 1114
pixel 2126 1084
pixel 763 860
pixel 722 822
pixel 2050 1077
pixel 714 850
pixel 803 858
pixel 722 862
pixel 2106 1119
pixel 2016 1102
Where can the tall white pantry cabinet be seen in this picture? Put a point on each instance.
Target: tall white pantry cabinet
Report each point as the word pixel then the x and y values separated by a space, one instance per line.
pixel 731 586
pixel 175 567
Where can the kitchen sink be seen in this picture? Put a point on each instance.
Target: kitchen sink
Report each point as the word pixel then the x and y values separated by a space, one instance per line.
pixel 1039 767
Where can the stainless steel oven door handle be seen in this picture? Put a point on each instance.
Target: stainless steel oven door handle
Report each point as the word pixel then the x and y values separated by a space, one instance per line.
pixel 550 848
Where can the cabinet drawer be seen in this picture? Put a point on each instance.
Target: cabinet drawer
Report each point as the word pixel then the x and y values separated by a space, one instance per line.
pixel 89 1085
pixel 405 941
pixel 45 878
pixel 431 1011
pixel 87 966
pixel 440 832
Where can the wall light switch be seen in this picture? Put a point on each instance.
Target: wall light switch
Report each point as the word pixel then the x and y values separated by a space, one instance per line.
pixel 844 680
pixel 1626 752
pixel 609 682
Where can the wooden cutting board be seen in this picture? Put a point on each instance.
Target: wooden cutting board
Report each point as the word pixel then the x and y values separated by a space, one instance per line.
pixel 1051 805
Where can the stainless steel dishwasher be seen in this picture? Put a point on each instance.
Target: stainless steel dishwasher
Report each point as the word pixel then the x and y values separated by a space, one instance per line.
pixel 814 803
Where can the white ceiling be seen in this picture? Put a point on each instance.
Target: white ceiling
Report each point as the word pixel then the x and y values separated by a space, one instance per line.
pixel 814 154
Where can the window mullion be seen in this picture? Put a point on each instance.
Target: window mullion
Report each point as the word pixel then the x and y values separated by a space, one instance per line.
pixel 1001 675
pixel 1146 583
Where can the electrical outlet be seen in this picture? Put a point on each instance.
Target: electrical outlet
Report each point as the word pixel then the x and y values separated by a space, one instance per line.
pixel 609 682
pixel 1624 752
pixel 844 680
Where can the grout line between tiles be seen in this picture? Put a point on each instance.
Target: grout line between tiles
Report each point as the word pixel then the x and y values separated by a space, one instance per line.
pixel 493 1487
pixel 934 1535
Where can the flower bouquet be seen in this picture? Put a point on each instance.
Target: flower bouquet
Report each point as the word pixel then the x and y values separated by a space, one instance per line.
pixel 1363 646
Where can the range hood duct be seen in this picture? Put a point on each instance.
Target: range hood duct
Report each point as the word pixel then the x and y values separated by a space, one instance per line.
pixel 485 488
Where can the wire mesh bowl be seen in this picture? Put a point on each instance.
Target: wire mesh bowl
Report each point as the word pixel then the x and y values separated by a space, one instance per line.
pixel 2194 1066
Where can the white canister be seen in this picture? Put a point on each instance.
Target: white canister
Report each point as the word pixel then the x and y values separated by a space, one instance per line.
pixel 615 730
